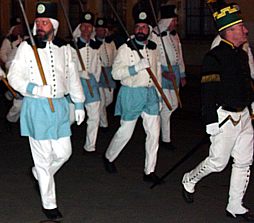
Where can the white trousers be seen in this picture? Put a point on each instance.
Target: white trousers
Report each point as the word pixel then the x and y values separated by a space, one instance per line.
pixel 235 141
pixel 106 100
pixel 14 112
pixel 93 118
pixel 151 125
pixel 48 157
pixel 165 114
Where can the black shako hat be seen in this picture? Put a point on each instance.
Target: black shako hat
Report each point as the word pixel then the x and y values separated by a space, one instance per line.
pixel 101 22
pixel 168 11
pixel 144 6
pixel 140 13
pixel 87 17
pixel 141 17
pixel 46 9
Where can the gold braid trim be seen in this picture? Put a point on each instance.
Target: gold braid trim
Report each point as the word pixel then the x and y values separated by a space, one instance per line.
pixel 210 78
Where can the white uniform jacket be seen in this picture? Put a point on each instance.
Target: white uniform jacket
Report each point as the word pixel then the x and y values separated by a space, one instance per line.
pixel 90 56
pixel 107 54
pixel 127 57
pixel 61 74
pixel 58 66
pixel 173 48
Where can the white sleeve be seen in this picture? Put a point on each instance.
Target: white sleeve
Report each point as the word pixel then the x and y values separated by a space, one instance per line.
pixel 18 74
pixel 75 88
pixel 5 49
pixel 120 68
pixel 10 58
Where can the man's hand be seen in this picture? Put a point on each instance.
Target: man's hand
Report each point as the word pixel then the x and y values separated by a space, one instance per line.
pixel 79 116
pixel 213 129
pixel 2 74
pixel 142 65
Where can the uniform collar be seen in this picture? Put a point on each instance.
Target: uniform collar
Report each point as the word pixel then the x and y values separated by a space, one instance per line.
pixel 228 43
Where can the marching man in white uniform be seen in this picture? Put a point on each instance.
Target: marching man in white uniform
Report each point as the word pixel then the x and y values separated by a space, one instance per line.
pixel 137 96
pixel 49 132
pixel 173 48
pixel 89 49
pixel 107 53
pixel 12 40
pixel 8 50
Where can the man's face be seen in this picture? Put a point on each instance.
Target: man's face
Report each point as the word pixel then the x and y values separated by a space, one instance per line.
pixel 18 30
pixel 86 28
pixel 100 32
pixel 141 31
pixel 44 28
pixel 173 24
pixel 238 34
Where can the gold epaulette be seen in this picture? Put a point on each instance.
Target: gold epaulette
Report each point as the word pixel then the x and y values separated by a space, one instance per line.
pixel 210 78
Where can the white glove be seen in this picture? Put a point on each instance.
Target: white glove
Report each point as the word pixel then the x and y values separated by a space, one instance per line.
pixel 213 129
pixel 142 65
pixel 79 116
pixel 2 74
pixel 84 74
pixel 42 91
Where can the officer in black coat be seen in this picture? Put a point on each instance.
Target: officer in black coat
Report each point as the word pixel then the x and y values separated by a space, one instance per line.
pixel 226 94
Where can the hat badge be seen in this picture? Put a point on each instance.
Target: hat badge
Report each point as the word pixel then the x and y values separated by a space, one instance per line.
pixel 142 15
pixel 88 17
pixel 100 22
pixel 41 8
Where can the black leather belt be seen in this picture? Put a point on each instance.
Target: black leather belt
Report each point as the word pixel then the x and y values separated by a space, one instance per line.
pixel 231 109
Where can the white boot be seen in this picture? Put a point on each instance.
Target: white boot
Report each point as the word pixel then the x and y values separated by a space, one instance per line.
pixel 191 178
pixel 238 184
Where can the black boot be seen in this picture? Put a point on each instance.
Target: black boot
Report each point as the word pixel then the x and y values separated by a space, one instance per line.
pixel 187 196
pixel 168 145
pixel 109 166
pixel 152 177
pixel 246 217
pixel 52 214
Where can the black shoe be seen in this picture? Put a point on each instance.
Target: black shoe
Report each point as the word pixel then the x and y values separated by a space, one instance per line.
pixel 104 129
pixel 247 216
pixel 53 214
pixel 168 145
pixel 92 153
pixel 109 166
pixel 153 178
pixel 187 196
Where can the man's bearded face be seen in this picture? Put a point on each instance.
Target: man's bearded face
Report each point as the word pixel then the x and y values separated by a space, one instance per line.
pixel 141 31
pixel 44 28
